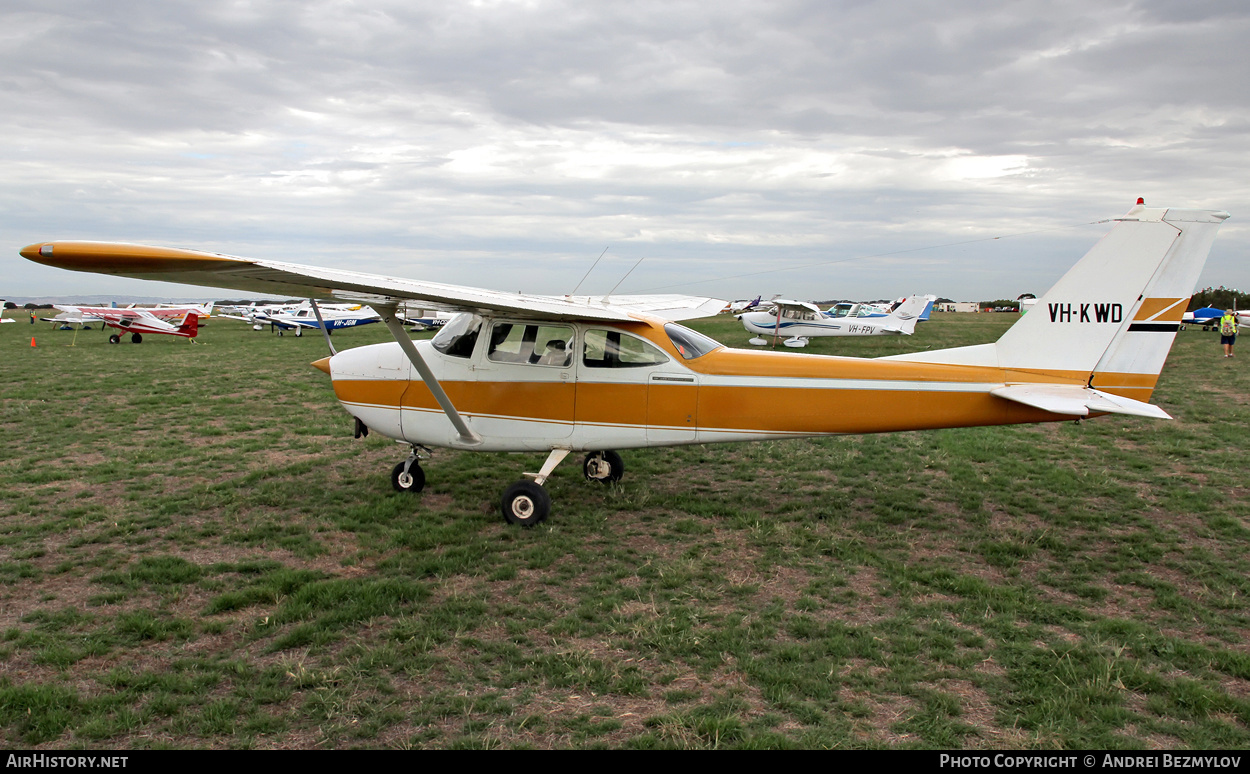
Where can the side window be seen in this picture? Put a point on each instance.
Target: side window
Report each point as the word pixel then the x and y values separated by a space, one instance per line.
pixel 614 349
pixel 550 345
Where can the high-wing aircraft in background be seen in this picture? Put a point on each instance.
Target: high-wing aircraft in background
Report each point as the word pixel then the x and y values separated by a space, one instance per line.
pixel 559 375
pixel 77 314
pixel 798 321
pixel 137 322
pixel 847 309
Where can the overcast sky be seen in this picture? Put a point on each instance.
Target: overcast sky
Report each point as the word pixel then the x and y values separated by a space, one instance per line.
pixel 881 146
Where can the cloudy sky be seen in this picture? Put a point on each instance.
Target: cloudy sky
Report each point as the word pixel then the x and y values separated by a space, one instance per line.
pixel 813 149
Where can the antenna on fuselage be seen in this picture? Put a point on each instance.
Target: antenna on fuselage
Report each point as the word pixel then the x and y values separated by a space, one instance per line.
pixel 617 285
pixel 592 268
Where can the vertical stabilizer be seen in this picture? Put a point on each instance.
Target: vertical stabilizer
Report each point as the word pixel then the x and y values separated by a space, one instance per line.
pixel 190 325
pixel 1111 319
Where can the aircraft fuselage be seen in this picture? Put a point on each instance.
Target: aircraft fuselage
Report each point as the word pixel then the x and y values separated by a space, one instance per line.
pixel 724 395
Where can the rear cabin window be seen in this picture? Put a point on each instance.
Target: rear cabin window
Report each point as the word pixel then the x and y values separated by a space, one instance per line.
pixel 549 345
pixel 614 349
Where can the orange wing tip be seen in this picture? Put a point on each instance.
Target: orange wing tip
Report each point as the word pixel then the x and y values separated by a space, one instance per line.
pixel 322 365
pixel 107 257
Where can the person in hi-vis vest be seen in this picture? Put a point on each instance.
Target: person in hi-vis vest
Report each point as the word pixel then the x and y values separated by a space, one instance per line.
pixel 1228 331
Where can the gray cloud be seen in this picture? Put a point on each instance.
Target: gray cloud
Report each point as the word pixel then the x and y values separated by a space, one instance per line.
pixel 511 141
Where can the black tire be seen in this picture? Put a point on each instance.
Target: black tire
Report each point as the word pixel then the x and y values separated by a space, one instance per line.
pixel 115 339
pixel 414 482
pixel 525 503
pixel 592 467
pixel 299 332
pixel 136 338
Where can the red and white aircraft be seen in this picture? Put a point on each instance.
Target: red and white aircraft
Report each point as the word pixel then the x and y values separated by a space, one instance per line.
pixel 137 322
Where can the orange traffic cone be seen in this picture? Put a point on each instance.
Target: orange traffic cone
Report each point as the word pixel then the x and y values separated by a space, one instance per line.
pixel 32 341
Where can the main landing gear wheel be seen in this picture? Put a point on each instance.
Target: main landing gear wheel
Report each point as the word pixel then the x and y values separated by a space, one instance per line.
pixel 115 339
pixel 410 480
pixel 136 338
pixel 525 503
pixel 604 467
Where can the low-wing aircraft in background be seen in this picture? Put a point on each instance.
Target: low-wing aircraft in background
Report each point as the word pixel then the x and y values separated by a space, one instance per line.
pixel 1207 317
pixel 517 372
pixel 798 321
pixel 304 317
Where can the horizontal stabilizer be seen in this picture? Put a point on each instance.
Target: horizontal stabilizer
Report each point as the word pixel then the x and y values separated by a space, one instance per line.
pixel 1076 401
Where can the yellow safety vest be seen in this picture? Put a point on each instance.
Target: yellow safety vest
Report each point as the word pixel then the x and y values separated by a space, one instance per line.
pixel 1228 325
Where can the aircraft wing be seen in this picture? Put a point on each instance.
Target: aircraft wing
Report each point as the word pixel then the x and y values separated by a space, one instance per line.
pixel 788 304
pixel 214 270
pixel 1076 401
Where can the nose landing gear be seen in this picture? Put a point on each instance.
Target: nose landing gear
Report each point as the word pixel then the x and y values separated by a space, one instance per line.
pixel 409 476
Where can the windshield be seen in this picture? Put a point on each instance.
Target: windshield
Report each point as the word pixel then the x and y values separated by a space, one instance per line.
pixel 690 344
pixel 458 336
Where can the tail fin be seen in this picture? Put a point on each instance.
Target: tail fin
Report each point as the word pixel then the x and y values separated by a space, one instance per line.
pixel 903 318
pixel 190 325
pixel 1111 319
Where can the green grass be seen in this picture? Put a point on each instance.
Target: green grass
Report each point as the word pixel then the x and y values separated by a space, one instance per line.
pixel 194 552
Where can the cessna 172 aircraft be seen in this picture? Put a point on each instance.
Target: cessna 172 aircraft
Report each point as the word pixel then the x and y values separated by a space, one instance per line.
pixel 799 321
pixel 558 374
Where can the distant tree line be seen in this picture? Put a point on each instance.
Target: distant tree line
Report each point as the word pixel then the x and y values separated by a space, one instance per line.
pixel 1219 298
pixel 1001 303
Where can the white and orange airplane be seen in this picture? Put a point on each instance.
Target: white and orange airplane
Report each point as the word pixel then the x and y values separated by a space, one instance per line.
pixel 560 375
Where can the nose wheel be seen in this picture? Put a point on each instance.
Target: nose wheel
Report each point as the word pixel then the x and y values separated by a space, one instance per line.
pixel 408 476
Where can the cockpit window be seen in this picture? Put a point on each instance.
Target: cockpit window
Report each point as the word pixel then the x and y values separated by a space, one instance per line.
pixel 458 336
pixel 690 344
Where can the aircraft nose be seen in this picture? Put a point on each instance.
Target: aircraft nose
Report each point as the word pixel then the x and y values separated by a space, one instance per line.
pixel 322 365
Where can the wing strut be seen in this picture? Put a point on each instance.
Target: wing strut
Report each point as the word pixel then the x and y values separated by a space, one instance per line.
pixel 389 316
pixel 324 330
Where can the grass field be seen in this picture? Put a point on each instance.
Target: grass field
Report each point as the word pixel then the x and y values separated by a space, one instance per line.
pixel 194 552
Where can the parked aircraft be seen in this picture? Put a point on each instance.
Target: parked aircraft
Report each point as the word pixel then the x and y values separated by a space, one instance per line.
pixel 72 314
pixel 849 309
pixel 799 321
pixel 738 307
pixel 137 322
pixel 424 319
pixel 302 317
pixel 536 373
pixel 1206 317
